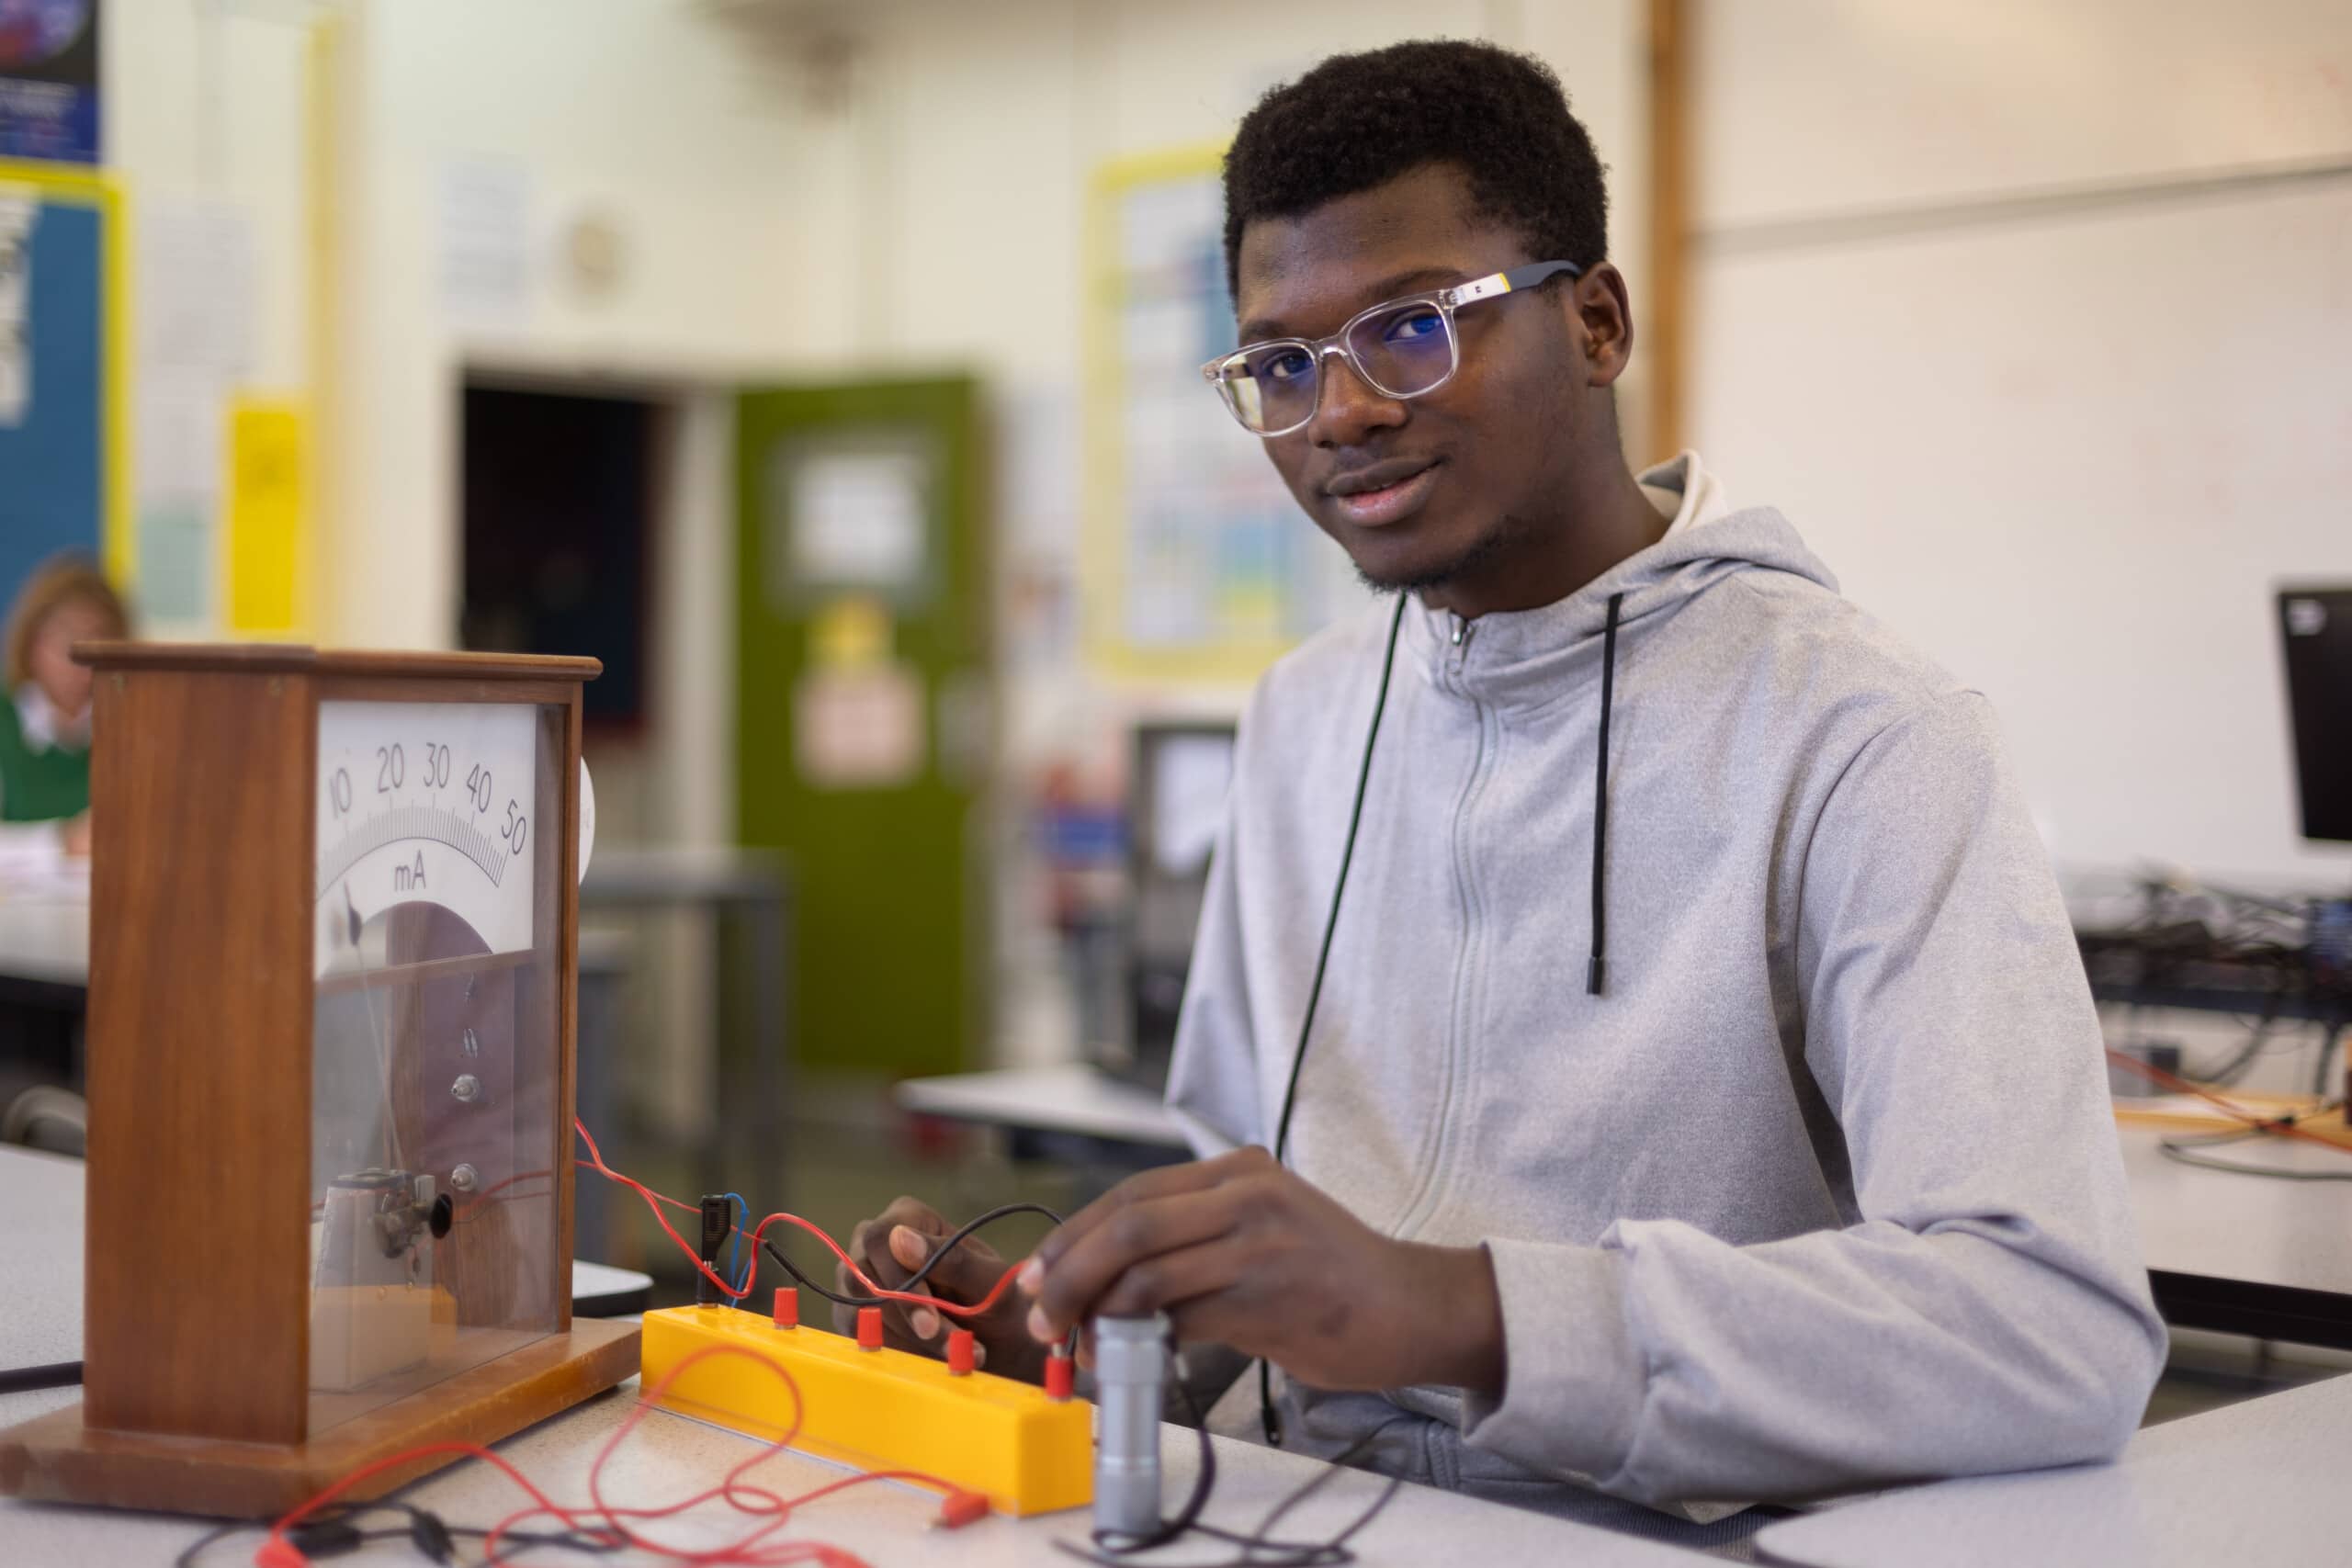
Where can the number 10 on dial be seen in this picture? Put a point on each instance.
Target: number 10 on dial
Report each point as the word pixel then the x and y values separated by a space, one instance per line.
pixel 424 803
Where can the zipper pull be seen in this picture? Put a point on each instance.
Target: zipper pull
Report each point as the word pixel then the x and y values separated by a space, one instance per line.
pixel 1460 630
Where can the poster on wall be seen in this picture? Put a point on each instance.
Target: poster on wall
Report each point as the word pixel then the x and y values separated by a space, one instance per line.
pixel 62 430
pixel 49 80
pixel 1201 565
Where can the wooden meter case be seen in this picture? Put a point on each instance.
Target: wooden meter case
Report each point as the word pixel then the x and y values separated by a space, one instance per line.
pixel 330 1046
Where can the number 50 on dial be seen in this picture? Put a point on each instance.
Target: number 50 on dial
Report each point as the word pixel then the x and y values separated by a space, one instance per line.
pixel 426 802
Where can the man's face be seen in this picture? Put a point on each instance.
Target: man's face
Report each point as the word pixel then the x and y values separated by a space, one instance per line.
pixel 1457 477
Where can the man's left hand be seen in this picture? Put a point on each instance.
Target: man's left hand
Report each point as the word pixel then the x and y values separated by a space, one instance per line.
pixel 1240 1250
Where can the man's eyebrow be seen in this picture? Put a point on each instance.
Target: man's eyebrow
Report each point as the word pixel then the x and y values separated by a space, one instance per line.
pixel 1260 327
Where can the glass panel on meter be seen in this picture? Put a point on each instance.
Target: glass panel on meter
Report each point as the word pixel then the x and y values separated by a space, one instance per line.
pixel 435 1052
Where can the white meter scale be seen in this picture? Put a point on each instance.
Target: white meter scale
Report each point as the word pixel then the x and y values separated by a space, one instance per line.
pixel 427 803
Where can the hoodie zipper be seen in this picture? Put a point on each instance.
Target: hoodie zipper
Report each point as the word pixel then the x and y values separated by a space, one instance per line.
pixel 1469 981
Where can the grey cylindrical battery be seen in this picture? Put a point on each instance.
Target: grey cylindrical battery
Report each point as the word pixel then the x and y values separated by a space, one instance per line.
pixel 1130 1360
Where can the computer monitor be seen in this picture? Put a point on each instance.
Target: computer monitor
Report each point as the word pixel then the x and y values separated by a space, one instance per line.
pixel 2316 627
pixel 1181 773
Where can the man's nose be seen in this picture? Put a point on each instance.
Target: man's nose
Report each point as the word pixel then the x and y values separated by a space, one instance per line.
pixel 1346 407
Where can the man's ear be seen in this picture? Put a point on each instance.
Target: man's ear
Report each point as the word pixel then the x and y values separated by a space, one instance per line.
pixel 1603 329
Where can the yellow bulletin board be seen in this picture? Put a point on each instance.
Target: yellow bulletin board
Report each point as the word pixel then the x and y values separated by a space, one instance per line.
pixel 266 515
pixel 1197 565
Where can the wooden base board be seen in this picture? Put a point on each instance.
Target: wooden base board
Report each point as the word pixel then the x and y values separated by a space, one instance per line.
pixel 56 1459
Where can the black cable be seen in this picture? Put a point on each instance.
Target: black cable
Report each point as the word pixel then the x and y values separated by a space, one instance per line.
pixel 1001 1211
pixel 1204 1480
pixel 1597 968
pixel 1315 990
pixel 1331 1551
pixel 57 1374
pixel 513 1541
pixel 1259 1548
pixel 1340 884
pixel 187 1558
pixel 2237 1067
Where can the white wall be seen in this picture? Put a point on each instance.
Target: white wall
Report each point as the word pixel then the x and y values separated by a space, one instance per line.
pixel 652 116
pixel 944 205
pixel 2068 449
pixel 941 213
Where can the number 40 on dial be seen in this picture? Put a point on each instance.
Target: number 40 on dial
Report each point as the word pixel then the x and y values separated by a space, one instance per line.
pixel 426 802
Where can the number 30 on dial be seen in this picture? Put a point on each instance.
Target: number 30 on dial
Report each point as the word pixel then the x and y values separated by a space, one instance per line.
pixel 427 803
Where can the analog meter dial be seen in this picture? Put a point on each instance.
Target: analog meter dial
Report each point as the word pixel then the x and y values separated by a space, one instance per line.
pixel 428 803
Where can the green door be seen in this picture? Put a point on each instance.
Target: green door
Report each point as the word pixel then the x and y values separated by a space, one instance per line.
pixel 863 709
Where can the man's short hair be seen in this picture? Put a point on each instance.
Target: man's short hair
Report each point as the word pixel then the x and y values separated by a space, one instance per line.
pixel 1360 120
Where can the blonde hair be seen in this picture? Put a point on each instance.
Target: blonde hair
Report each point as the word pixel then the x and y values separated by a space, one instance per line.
pixel 58 581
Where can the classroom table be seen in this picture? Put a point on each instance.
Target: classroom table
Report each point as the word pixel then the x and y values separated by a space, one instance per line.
pixel 44 971
pixel 40 1268
pixel 44 942
pixel 1071 1098
pixel 670 1457
pixel 1101 1129
pixel 2252 1483
pixel 2242 1254
pixel 2232 1253
pixel 749 893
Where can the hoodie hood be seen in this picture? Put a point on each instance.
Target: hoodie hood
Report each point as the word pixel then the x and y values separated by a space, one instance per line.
pixel 1517 658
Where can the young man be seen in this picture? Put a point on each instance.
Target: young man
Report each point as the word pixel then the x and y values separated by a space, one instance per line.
pixel 1739 1132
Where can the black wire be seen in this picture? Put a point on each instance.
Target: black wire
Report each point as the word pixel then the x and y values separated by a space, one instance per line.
pixel 1597 967
pixel 1273 1429
pixel 514 1542
pixel 1259 1548
pixel 581 1540
pixel 919 1276
pixel 57 1374
pixel 1003 1210
pixel 1314 1482
pixel 2237 1067
pixel 1340 884
pixel 187 1558
pixel 1204 1478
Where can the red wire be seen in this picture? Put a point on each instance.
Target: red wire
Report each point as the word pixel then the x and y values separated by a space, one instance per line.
pixel 654 1200
pixel 777 1510
pixel 276 1550
pixel 475 1203
pixel 2280 1124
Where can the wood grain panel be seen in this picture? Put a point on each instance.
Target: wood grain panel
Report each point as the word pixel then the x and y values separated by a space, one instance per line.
pixel 199 1068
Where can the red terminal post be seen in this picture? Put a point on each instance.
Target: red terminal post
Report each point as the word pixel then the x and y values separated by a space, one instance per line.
pixel 869 1328
pixel 1061 1374
pixel 960 1508
pixel 787 1307
pixel 959 1352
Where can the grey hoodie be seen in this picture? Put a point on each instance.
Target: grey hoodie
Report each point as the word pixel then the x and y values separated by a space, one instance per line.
pixel 1822 1190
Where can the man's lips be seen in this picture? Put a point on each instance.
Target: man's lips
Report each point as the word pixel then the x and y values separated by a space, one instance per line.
pixel 1386 492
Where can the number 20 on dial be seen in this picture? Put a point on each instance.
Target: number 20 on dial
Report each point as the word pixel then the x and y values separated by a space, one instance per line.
pixel 426 802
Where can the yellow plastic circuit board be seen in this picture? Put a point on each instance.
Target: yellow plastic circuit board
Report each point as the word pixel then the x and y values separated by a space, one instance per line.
pixel 879 1409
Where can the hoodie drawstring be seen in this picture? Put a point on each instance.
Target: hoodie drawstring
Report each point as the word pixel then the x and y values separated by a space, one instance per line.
pixel 1597 970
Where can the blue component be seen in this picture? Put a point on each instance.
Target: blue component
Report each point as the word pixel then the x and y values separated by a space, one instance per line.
pixel 741 1277
pixel 2332 939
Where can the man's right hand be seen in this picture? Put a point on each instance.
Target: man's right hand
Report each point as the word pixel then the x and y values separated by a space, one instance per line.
pixel 893 1244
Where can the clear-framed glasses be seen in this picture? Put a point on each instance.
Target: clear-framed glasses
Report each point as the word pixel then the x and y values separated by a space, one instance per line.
pixel 1402 348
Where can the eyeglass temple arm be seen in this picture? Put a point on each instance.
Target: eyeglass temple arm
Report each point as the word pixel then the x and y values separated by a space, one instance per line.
pixel 1526 276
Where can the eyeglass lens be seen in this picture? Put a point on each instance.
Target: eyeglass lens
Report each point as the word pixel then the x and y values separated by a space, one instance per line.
pixel 1402 351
